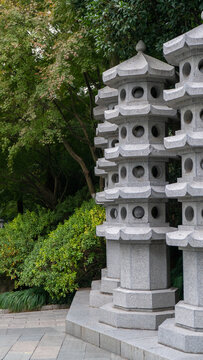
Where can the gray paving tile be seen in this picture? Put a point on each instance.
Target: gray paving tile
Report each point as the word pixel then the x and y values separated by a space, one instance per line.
pixel 40 335
pixel 17 356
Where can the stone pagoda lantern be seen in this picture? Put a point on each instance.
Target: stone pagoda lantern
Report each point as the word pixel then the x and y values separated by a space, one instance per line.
pixel 107 136
pixel 136 204
pixel 186 331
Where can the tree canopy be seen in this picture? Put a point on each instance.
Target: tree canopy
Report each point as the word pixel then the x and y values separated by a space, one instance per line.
pixel 52 54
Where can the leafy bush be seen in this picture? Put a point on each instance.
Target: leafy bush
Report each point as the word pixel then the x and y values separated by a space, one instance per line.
pixel 70 256
pixel 18 238
pixel 23 300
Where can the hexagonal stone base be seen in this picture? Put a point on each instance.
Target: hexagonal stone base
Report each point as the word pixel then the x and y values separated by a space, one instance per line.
pixel 144 299
pixel 98 299
pixel 149 320
pixel 180 338
pixel 189 316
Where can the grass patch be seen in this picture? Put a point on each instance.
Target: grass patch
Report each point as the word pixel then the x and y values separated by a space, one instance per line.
pixel 23 300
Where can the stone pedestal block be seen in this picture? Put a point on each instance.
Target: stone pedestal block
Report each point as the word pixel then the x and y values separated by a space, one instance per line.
pixel 144 267
pixel 145 320
pixel 180 338
pixel 109 284
pixel 144 299
pixel 189 316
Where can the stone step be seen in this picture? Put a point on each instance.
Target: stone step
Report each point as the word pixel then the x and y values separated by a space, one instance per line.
pixel 83 322
pixel 98 299
pixel 109 284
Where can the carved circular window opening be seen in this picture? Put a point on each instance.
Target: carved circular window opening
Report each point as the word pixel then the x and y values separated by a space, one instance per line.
pixel 188 116
pixel 156 172
pixel 114 142
pixel 113 213
pixel 155 131
pixel 123 132
pixel 188 165
pixel 115 178
pixel 155 92
pixel 123 94
pixel 138 171
pixel 186 70
pixel 155 212
pixel 123 172
pixel 123 213
pixel 189 213
pixel 138 212
pixel 138 131
pixel 137 92
pixel 200 66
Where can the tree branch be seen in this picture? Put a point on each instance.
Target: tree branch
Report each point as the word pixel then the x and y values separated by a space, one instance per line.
pixel 82 165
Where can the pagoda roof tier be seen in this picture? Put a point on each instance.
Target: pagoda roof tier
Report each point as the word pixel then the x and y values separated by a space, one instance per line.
pixel 184 45
pixel 140 66
pixel 130 151
pixel 100 142
pixel 99 172
pixel 134 192
pixel 104 164
pixel 136 233
pixel 98 112
pixel 182 189
pixel 106 96
pixel 184 93
pixel 127 111
pixel 182 140
pixel 100 198
pixel 106 129
pixel 186 236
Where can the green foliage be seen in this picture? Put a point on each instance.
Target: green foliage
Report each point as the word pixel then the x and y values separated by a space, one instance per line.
pixel 17 240
pixel 70 256
pixel 117 25
pixel 23 300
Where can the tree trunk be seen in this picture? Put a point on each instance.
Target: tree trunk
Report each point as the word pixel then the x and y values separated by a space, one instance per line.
pixel 82 165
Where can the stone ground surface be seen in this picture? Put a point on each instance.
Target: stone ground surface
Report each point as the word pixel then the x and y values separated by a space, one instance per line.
pixel 41 335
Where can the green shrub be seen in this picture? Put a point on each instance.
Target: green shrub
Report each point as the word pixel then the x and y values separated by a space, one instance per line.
pixel 18 238
pixel 23 300
pixel 70 256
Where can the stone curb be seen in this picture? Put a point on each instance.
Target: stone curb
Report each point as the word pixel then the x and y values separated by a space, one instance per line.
pixel 43 308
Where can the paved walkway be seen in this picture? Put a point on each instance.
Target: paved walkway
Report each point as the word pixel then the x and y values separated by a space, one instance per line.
pixel 41 335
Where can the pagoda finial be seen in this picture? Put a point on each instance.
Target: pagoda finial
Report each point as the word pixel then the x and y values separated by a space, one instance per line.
pixel 140 46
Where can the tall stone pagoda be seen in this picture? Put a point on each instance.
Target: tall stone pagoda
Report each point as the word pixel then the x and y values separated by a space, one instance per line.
pixel 186 51
pixel 107 137
pixel 136 203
